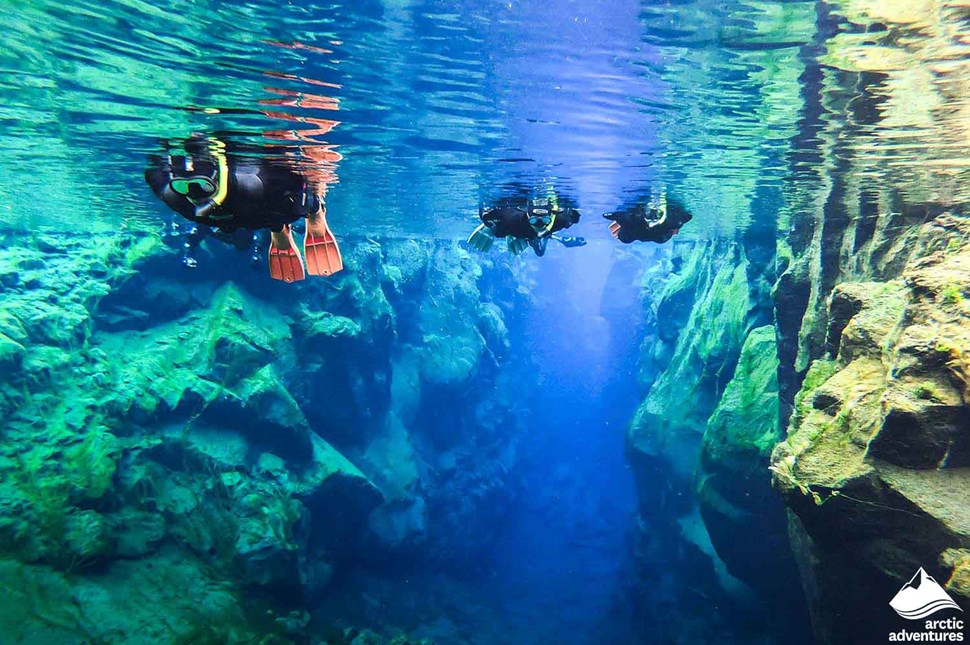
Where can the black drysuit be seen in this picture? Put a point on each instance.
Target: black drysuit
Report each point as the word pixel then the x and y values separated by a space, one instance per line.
pixel 510 218
pixel 635 223
pixel 260 195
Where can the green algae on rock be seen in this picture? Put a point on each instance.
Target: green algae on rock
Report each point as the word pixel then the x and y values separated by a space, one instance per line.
pixel 167 598
pixel 877 461
pixel 707 339
pixel 191 436
pixel 735 495
pixel 706 427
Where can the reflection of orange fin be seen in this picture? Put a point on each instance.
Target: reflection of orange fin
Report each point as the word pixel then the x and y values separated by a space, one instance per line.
pixel 615 229
pixel 286 264
pixel 322 253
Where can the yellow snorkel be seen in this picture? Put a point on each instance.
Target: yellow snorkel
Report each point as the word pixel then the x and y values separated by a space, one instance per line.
pixel 542 219
pixel 218 151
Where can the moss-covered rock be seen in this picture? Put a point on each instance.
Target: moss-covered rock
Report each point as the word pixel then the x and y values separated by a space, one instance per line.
pixel 672 417
pixel 744 520
pixel 168 598
pixel 158 417
pixel 876 460
pixel 958 561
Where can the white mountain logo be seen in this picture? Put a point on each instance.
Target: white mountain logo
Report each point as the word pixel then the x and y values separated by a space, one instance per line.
pixel 921 597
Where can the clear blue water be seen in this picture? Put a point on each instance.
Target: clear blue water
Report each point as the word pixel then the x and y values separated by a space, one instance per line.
pixel 438 103
pixel 415 112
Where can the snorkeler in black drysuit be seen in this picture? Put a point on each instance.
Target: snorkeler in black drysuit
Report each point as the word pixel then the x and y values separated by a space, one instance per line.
pixel 208 188
pixel 655 221
pixel 526 222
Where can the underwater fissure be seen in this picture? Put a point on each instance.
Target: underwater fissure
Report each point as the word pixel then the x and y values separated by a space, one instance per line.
pixel 608 321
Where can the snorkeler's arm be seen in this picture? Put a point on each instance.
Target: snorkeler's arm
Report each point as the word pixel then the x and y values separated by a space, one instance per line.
pixel 570 241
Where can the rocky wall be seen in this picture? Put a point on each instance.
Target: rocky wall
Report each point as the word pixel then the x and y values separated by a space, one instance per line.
pixel 700 444
pixel 244 440
pixel 872 323
pixel 864 347
pixel 876 466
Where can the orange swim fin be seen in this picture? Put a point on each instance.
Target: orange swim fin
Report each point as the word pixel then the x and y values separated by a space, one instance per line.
pixel 286 264
pixel 322 253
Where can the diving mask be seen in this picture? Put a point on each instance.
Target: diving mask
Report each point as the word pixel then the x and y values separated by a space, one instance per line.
pixel 197 189
pixel 206 192
pixel 542 218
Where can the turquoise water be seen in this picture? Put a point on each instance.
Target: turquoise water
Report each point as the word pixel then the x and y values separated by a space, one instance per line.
pixel 436 104
pixel 439 104
pixel 435 445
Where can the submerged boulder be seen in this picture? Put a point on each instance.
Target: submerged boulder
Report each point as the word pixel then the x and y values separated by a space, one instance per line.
pixel 876 461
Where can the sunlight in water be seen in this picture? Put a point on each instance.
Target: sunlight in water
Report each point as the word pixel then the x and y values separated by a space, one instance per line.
pixel 606 100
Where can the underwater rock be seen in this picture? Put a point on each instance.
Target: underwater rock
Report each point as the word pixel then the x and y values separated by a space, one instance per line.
pixel 709 420
pixel 50 296
pixel 876 461
pixel 86 535
pixel 450 340
pixel 353 636
pixel 672 417
pixel 746 523
pixel 12 355
pixel 451 345
pixel 267 550
pixel 162 417
pixel 406 263
pixel 165 598
pixel 265 519
pixel 958 560
pixel 922 434
pixel 136 533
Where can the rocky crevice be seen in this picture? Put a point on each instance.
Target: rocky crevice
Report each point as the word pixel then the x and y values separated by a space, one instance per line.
pixel 215 431
pixel 700 445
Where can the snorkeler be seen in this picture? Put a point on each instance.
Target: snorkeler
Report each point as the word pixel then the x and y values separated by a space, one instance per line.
pixel 656 221
pixel 525 222
pixel 215 192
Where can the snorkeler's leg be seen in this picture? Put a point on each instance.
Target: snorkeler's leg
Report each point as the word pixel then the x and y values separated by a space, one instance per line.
pixel 516 245
pixel 481 238
pixel 193 238
pixel 320 246
pixel 285 262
